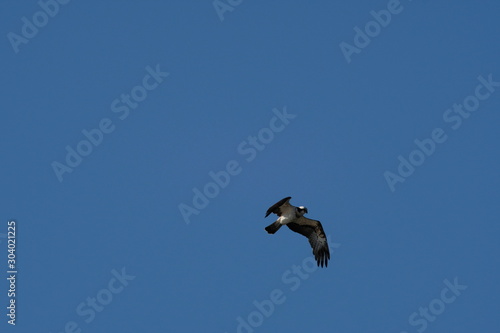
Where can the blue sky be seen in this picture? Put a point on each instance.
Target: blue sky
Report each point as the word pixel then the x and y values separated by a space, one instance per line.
pixel 381 117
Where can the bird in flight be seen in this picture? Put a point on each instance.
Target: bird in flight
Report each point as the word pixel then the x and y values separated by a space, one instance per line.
pixel 294 219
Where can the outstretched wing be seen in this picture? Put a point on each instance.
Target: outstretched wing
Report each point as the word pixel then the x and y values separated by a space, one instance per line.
pixel 313 230
pixel 277 207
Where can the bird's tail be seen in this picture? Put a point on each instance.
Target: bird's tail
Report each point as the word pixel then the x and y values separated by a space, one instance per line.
pixel 273 227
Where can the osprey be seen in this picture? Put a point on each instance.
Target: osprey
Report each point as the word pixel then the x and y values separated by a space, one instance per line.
pixel 294 218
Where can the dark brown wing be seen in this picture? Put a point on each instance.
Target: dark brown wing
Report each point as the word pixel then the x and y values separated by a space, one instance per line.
pixel 313 230
pixel 276 207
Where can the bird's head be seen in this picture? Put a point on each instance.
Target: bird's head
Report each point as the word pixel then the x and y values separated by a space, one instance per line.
pixel 301 210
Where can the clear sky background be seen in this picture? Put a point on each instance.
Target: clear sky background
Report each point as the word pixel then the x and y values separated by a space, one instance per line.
pixel 351 115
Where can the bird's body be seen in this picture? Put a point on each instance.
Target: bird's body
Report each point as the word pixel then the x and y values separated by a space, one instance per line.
pixel 293 217
pixel 288 214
